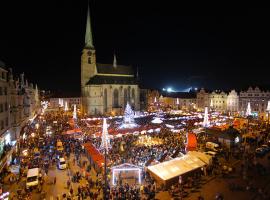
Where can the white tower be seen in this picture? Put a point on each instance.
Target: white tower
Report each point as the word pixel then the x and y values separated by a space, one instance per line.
pixel 205 119
pixel 248 112
pixel 105 140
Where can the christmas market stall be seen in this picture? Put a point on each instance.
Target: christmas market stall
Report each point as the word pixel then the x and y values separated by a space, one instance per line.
pixel 126 173
pixel 168 172
pixel 96 159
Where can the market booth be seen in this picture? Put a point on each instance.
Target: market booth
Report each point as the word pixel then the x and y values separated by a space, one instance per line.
pixel 95 158
pixel 126 173
pixel 168 172
pixel 202 156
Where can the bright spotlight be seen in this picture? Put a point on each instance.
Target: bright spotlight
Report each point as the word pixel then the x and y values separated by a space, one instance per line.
pixel 169 90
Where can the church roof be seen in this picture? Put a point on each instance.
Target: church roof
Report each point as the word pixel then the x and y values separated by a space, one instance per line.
pixel 112 80
pixel 110 69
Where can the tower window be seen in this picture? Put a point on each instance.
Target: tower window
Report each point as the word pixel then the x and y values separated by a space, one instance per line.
pixel 89 60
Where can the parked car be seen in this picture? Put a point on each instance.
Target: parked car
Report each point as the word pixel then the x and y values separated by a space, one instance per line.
pixel 62 163
pixel 265 147
pixel 260 152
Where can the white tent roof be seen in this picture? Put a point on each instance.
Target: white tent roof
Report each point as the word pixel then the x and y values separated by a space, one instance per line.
pixel 202 156
pixel 176 167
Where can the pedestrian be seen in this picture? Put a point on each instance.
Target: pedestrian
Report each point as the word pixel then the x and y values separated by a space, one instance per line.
pixel 71 192
pixel 54 181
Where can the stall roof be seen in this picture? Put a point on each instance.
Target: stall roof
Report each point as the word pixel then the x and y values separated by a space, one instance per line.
pixel 176 167
pixel 202 156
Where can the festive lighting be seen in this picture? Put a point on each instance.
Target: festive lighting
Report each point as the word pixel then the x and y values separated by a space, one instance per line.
pixel 74 112
pixel 248 112
pixel 66 106
pixel 211 103
pixel 105 140
pixel 125 169
pixel 205 119
pixel 128 121
pixel 268 106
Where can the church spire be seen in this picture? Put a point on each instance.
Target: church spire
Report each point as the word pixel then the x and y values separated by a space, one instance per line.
pixel 88 33
pixel 114 60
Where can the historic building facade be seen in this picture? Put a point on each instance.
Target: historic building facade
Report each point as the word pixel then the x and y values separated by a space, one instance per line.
pixel 233 102
pixel 202 99
pixel 105 88
pixel 19 102
pixel 178 100
pixel 54 103
pixel 257 98
pixel 218 101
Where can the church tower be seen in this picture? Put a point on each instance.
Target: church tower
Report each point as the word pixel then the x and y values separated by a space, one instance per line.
pixel 88 58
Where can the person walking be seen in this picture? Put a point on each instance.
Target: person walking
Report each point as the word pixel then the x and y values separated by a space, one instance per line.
pixel 54 181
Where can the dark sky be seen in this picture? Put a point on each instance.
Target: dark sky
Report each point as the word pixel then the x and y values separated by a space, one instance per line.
pixel 172 45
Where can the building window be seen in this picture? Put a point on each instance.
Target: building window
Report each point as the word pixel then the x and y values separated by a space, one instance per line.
pixel 1 91
pixel 6 106
pixel 89 60
pixel 1 108
pixel 2 125
pixel 115 98
pixel 105 100
pixel 5 91
pixel 125 97
pixel 3 75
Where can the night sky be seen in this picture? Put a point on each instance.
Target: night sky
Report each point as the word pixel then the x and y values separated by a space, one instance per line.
pixel 172 45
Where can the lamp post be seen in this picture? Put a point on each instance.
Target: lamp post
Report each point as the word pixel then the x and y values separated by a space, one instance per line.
pixel 105 195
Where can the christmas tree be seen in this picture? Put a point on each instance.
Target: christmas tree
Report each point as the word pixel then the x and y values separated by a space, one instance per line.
pixel 66 106
pixel 248 112
pixel 205 119
pixel 128 115
pixel 75 112
pixel 105 140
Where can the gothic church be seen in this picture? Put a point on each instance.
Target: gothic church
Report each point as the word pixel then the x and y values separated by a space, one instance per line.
pixel 105 88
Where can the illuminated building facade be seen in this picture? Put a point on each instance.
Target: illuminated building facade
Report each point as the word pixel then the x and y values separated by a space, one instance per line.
pixel 19 102
pixel 202 99
pixel 105 88
pixel 233 102
pixel 258 100
pixel 178 100
pixel 219 99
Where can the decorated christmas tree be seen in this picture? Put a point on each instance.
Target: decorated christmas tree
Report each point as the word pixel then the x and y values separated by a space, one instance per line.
pixel 105 140
pixel 128 115
pixel 248 112
pixel 75 112
pixel 66 106
pixel 205 119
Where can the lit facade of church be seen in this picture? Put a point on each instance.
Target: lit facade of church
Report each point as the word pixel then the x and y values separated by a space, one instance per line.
pixel 105 88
